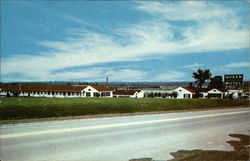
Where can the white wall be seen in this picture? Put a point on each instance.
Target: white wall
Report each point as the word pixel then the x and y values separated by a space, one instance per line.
pixel 92 90
pixel 45 94
pixel 215 91
pixel 135 95
pixel 236 93
pixel 60 94
pixel 138 94
pixel 181 91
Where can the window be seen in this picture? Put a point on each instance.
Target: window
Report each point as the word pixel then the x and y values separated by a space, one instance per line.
pixel 89 89
pixel 105 94
pixel 68 93
pixel 186 95
pixel 214 95
pixel 96 94
pixel 64 93
pixel 53 93
pixel 87 94
pixel 48 92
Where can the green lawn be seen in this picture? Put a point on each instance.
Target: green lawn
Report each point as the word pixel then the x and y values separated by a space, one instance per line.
pixel 23 108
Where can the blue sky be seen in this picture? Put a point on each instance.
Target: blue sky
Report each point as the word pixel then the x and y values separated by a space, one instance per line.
pixel 125 41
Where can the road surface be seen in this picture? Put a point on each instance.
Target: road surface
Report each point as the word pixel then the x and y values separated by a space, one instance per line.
pixel 123 138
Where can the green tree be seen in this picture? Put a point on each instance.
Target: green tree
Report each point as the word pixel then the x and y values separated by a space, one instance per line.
pixel 16 93
pixel 174 94
pixel 152 95
pixel 201 76
pixel 216 82
pixel 197 95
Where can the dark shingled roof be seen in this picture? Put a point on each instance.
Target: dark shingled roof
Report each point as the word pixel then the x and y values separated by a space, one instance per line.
pixel 125 92
pixel 220 89
pixel 43 87
pixel 52 87
pixel 192 90
pixel 101 88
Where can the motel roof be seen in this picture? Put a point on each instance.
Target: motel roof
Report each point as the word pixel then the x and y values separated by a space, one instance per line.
pixel 219 89
pixel 43 87
pixel 101 88
pixel 52 87
pixel 125 92
pixel 194 89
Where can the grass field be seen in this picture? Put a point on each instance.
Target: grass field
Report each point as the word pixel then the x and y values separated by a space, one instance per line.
pixel 25 108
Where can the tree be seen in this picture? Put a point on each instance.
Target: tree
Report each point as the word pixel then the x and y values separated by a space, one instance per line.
pixel 216 82
pixel 201 76
pixel 152 95
pixel 174 94
pixel 197 94
pixel 16 93
pixel 7 95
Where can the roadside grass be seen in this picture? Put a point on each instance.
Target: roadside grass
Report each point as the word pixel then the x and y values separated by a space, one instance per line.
pixel 27 108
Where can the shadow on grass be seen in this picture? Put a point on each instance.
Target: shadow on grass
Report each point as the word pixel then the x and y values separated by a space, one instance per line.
pixel 240 153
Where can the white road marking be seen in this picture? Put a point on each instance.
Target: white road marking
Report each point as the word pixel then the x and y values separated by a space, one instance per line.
pixel 114 125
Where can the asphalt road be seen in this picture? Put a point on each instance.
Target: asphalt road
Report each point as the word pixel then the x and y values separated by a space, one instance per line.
pixel 122 138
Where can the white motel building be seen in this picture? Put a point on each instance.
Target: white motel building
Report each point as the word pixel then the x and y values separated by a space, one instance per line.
pixel 58 91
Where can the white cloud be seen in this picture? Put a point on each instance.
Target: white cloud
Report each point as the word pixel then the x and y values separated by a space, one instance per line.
pixel 237 65
pixel 170 76
pixel 86 74
pixel 75 19
pixel 192 66
pixel 214 27
pixel 136 42
pixel 186 10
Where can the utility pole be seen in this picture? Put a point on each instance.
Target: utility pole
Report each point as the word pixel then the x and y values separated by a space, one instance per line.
pixel 19 88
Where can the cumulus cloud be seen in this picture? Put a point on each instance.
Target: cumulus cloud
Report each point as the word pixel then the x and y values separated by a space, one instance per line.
pixel 137 42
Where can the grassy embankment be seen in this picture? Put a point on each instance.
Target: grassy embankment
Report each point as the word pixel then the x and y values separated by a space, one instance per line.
pixel 25 108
